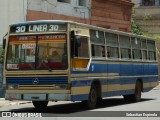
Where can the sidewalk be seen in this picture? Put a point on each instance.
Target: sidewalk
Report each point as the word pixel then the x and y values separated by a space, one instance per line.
pixel 4 102
pixel 158 87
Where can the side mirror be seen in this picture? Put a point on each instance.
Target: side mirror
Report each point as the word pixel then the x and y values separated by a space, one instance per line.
pixel 4 43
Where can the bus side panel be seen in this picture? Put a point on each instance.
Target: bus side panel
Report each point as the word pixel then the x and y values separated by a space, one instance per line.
pixel 81 81
pixel 137 69
pixel 113 81
pixel 80 85
pixel 152 80
pixel 127 83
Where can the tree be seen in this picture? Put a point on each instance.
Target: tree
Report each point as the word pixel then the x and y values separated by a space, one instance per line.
pixel 135 28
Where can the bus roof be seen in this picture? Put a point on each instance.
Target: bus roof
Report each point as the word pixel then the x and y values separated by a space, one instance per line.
pixel 82 24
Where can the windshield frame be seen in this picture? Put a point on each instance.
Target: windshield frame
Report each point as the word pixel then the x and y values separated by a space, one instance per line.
pixel 36 51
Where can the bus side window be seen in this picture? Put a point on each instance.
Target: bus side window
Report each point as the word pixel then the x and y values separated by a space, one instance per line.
pixel 136 48
pixel 108 52
pixel 151 50
pixel 93 51
pixel 112 45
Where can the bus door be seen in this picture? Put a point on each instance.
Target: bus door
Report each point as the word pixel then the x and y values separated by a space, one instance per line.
pixel 80 63
pixel 80 52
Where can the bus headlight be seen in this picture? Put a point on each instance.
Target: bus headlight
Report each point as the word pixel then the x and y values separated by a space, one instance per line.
pixel 12 87
pixel 62 87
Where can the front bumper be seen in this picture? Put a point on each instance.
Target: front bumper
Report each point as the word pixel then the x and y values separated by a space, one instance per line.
pixel 38 97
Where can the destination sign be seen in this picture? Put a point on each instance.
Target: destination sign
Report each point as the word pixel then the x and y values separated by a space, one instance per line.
pixel 38 28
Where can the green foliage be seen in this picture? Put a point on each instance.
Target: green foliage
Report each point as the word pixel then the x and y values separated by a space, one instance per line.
pixel 135 28
pixel 157 37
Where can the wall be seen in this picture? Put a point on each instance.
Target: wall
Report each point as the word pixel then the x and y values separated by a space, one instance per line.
pixel 112 14
pixel 115 14
pixel 52 6
pixel 104 13
pixel 38 15
pixel 11 11
pixel 148 18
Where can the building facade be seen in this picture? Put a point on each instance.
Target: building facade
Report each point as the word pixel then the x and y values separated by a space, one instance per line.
pixel 11 11
pixel 147 15
pixel 113 14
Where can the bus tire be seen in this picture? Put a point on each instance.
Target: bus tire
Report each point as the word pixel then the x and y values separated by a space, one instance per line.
pixel 138 92
pixel 136 97
pixel 92 99
pixel 40 105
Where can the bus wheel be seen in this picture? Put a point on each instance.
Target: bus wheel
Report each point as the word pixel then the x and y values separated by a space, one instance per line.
pixel 136 97
pixel 138 91
pixel 92 99
pixel 40 105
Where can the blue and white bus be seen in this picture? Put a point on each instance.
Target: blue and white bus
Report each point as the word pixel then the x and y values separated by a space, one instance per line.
pixel 69 61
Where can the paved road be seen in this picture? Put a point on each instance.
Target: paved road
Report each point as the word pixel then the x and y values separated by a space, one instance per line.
pixel 113 106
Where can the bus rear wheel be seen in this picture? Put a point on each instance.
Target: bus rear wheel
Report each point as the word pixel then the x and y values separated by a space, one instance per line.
pixel 40 105
pixel 136 97
pixel 92 99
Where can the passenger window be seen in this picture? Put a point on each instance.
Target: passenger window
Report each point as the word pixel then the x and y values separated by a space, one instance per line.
pixel 144 50
pixel 97 44
pixel 151 50
pixel 125 47
pixel 136 48
pixel 98 51
pixel 97 37
pixel 112 45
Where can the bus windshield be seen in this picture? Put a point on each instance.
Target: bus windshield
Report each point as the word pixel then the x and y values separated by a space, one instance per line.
pixel 40 52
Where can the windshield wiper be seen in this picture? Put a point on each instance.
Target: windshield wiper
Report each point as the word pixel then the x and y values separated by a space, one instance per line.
pixel 43 63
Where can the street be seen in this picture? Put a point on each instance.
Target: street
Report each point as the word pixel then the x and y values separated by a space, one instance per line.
pixel 111 107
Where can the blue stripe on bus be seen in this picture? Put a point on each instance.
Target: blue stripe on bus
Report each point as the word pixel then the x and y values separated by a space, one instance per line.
pixel 123 81
pixel 42 80
pixel 122 69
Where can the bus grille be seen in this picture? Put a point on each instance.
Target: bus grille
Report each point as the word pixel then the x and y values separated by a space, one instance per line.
pixel 36 87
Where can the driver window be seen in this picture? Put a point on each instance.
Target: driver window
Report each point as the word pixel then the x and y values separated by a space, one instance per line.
pixel 82 47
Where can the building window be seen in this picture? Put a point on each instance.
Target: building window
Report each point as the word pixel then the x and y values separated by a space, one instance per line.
pixel 149 2
pixel 82 2
pixel 64 1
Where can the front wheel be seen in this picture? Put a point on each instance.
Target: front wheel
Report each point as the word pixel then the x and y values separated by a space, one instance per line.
pixel 40 105
pixel 92 99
